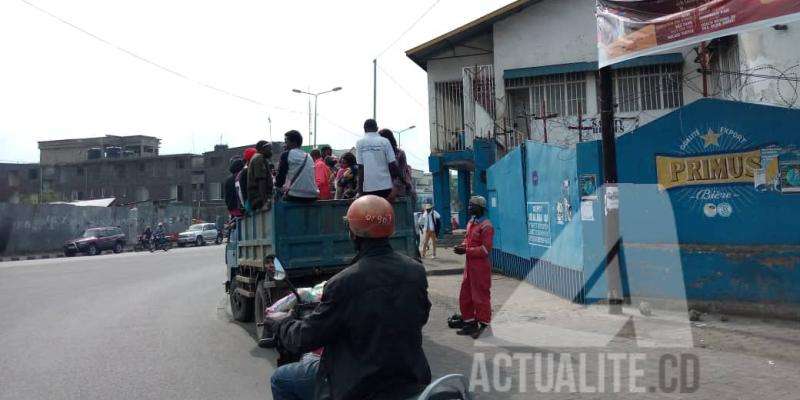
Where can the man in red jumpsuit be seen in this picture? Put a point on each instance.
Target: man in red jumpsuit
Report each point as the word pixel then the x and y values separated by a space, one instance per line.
pixel 475 298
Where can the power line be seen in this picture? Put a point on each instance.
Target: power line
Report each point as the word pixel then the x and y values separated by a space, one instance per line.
pixel 156 64
pixel 400 86
pixel 409 28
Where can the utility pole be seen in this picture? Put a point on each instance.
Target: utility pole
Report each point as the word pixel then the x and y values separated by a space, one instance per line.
pixel 315 121
pixel 611 194
pixel 375 88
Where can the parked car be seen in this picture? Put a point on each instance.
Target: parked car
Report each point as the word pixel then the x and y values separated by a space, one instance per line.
pixel 94 241
pixel 199 235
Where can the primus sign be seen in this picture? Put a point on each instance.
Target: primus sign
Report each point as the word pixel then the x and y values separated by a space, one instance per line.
pixel 738 167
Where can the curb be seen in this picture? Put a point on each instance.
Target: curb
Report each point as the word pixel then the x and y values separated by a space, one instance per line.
pixel 33 257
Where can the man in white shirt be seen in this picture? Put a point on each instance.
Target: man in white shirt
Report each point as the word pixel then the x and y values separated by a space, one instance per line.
pixel 431 222
pixel 376 163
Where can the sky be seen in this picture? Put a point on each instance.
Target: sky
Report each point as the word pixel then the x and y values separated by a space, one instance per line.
pixel 196 73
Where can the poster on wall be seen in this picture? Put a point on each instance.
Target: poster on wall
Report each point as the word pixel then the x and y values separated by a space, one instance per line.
pixel 588 185
pixel 538 224
pixel 767 178
pixel 790 176
pixel 632 28
pixel 587 210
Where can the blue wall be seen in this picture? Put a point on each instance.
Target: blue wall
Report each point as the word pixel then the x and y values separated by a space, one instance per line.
pixel 556 171
pixel 752 252
pixel 507 204
pixel 681 242
pixel 524 189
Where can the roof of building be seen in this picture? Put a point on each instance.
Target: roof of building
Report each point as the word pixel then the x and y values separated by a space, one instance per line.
pixel 80 141
pixel 480 26
pixel 90 203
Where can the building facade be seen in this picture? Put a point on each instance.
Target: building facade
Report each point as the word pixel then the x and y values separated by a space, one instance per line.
pixel 528 71
pixel 95 168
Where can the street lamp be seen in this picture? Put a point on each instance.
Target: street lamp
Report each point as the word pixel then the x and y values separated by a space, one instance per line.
pixel 336 89
pixel 403 130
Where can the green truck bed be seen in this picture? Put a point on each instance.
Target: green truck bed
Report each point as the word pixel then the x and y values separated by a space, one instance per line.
pixel 310 240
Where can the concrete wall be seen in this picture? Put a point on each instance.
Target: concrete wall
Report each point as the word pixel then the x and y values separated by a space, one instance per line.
pixel 44 228
pixel 771 52
pixel 16 182
pixel 564 32
pixel 450 69
pixel 729 243
pixel 726 242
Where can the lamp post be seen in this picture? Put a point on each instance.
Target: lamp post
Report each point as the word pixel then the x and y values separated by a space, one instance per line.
pixel 315 95
pixel 403 130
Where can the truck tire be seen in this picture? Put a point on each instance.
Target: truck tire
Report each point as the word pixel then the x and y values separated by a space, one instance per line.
pixel 241 307
pixel 262 301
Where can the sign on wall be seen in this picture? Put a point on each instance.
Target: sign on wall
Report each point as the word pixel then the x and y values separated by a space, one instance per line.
pixel 632 28
pixel 718 170
pixel 539 224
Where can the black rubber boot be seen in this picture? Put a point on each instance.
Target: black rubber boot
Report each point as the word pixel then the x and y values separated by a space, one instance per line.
pixel 469 329
pixel 455 322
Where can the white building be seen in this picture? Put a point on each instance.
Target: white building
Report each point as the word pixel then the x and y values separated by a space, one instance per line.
pixel 531 67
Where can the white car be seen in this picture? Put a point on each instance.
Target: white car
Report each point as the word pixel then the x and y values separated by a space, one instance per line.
pixel 199 235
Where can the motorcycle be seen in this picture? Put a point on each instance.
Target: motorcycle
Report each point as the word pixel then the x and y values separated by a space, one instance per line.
pixel 160 243
pixel 448 387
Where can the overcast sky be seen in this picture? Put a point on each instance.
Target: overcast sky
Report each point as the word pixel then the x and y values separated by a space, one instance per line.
pixel 57 82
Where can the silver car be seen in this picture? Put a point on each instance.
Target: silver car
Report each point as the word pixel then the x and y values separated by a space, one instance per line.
pixel 199 235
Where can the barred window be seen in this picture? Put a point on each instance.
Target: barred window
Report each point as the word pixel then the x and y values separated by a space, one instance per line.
pixel 562 94
pixel 652 87
pixel 449 124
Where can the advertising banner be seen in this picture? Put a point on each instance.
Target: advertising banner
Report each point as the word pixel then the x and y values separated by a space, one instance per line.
pixel 632 28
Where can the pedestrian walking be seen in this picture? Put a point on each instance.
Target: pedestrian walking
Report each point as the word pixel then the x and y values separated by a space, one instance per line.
pixel 431 222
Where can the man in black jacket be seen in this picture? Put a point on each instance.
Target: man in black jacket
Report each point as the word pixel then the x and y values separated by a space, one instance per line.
pixel 231 197
pixel 370 318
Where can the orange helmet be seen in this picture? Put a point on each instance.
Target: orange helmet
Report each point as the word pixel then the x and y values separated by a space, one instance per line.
pixel 371 217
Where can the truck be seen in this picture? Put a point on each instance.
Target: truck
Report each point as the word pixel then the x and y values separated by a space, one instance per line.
pixel 312 242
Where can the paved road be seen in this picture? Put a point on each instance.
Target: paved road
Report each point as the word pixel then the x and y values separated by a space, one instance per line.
pixel 125 326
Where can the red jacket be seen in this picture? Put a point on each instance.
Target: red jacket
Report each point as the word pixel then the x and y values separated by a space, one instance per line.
pixel 322 175
pixel 479 237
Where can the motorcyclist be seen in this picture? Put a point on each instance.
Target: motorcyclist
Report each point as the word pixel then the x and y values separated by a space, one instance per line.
pixel 144 238
pixel 160 232
pixel 369 320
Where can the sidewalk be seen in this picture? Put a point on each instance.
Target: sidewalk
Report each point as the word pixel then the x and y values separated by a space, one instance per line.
pixel 740 358
pixel 445 263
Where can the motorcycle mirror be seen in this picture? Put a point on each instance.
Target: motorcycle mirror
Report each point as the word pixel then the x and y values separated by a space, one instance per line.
pixel 280 272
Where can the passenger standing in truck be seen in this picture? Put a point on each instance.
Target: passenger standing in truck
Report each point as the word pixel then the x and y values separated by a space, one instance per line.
pixel 241 179
pixel 377 165
pixel 231 195
pixel 296 171
pixel 259 178
pixel 322 175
